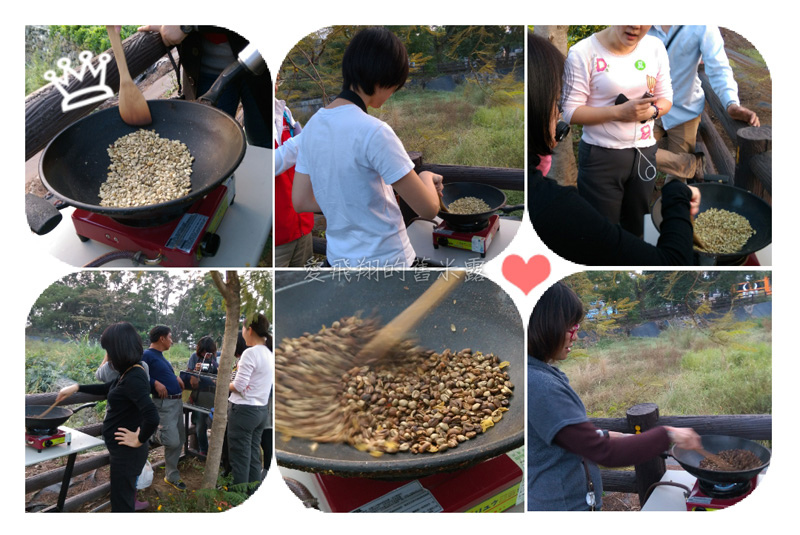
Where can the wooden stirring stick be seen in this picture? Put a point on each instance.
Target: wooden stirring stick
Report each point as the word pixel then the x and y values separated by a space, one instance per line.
pixel 442 206
pixel 133 107
pixel 395 330
pixel 51 407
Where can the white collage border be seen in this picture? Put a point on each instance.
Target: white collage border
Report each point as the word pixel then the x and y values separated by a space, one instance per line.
pixel 274 28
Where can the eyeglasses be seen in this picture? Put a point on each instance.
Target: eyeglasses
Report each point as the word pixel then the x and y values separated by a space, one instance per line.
pixel 572 332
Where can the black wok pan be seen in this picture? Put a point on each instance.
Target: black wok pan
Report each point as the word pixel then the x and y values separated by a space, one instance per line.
pixel 690 459
pixel 733 199
pixel 492 324
pixel 54 418
pixel 492 196
pixel 75 163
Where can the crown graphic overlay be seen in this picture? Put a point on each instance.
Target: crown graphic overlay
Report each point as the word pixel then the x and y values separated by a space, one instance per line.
pixel 86 95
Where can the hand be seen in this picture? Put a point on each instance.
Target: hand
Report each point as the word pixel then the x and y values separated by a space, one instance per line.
pixel 195 382
pixel 640 109
pixel 197 367
pixel 126 437
pixel 170 35
pixel 694 204
pixel 436 179
pixel 66 392
pixel 161 390
pixel 617 434
pixel 684 438
pixel 741 113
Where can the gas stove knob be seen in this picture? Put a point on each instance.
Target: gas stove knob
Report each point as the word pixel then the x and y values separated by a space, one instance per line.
pixel 209 245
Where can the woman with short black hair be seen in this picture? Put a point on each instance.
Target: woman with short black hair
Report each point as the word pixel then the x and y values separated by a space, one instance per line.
pixel 131 417
pixel 564 447
pixel 350 164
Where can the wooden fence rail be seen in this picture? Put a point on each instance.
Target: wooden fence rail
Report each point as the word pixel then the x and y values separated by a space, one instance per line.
pixel 752 169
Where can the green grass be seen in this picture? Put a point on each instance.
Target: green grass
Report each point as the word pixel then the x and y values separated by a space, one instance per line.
pixel 684 372
pixel 463 127
pixel 51 365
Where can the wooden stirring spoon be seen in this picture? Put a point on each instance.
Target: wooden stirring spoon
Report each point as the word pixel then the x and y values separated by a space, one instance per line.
pixel 133 107
pixel 51 407
pixel 394 332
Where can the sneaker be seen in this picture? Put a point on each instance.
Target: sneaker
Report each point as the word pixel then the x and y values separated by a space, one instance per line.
pixel 140 506
pixel 180 485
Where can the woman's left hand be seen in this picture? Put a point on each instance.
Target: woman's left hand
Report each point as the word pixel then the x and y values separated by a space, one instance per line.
pixel 126 437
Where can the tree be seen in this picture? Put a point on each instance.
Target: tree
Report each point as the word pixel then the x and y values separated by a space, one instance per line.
pixel 230 291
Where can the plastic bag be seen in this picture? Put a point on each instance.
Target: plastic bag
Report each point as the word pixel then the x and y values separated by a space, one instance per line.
pixel 145 479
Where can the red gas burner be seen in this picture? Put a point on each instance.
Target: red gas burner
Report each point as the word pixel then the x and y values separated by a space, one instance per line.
pixel 181 242
pixel 475 240
pixel 40 442
pixel 487 487
pixel 707 496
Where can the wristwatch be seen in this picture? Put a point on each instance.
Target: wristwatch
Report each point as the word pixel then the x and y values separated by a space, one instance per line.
pixel 655 115
pixel 188 29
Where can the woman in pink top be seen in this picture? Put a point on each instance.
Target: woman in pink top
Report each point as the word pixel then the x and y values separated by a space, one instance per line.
pixel 618 84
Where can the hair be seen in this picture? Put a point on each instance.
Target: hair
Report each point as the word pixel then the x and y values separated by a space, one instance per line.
pixel 375 57
pixel 157 332
pixel 123 345
pixel 555 313
pixel 260 326
pixel 206 345
pixel 546 74
pixel 241 345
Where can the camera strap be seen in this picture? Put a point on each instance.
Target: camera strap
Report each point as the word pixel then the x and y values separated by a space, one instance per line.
pixel 353 97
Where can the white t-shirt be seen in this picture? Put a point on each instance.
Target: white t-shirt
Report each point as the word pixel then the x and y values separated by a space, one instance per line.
pixel 598 76
pixel 353 159
pixel 254 377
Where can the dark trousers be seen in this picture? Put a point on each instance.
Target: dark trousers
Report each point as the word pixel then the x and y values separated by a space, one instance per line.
pixel 618 183
pixel 126 465
pixel 246 424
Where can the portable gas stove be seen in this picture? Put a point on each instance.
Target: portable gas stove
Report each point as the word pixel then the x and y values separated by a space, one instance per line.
pixel 709 496
pixel 476 239
pixel 47 439
pixel 489 486
pixel 181 242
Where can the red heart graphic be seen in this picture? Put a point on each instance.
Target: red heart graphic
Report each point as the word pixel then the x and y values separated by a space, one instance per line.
pixel 526 275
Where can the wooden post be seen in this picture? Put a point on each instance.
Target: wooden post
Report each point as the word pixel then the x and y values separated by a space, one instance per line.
pixel 750 142
pixel 716 149
pixel 641 418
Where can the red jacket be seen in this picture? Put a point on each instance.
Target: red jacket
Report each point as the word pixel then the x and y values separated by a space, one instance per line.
pixel 289 225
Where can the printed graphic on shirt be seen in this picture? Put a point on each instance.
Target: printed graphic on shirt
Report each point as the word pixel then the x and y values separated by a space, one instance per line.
pixel 640 64
pixel 645 132
pixel 651 84
pixel 600 64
